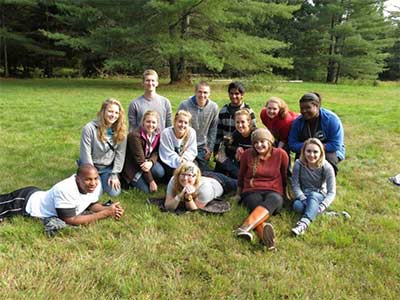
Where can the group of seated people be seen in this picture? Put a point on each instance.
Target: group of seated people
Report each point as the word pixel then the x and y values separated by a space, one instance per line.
pixel 252 162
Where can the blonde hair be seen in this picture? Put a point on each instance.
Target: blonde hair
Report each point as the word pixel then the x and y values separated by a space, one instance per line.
pixel 283 107
pixel 119 127
pixel 313 141
pixel 151 113
pixel 185 167
pixel 150 72
pixel 243 112
pixel 186 136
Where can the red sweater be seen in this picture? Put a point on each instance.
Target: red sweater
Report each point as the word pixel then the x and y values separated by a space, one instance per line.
pixel 270 173
pixel 279 127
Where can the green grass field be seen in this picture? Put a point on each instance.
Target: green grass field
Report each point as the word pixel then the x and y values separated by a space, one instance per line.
pixel 154 255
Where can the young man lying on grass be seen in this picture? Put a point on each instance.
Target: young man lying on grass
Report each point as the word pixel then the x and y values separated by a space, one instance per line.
pixel 66 200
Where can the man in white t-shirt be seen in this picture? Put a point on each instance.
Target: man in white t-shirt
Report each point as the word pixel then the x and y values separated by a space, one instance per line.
pixel 66 200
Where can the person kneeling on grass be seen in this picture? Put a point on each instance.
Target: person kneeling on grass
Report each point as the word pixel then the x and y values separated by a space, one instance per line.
pixel 313 184
pixel 67 200
pixel 196 191
pixel 261 183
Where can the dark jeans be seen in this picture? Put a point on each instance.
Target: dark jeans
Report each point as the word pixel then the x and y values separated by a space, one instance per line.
pixel 230 167
pixel 228 184
pixel 267 199
pixel 14 203
pixel 201 161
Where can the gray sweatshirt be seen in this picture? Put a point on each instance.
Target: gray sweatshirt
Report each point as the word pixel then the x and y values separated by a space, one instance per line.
pixel 204 121
pixel 139 106
pixel 99 153
pixel 320 180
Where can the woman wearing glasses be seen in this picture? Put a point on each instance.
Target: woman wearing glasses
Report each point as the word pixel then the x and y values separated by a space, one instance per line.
pixel 187 186
pixel 103 144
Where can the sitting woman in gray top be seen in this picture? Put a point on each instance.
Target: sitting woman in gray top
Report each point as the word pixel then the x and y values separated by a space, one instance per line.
pixel 103 144
pixel 196 191
pixel 313 183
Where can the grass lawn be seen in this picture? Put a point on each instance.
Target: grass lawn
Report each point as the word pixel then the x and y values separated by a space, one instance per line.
pixel 154 255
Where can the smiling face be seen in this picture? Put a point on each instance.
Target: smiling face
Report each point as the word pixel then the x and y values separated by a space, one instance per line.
pixel 150 83
pixel 236 97
pixel 150 124
pixel 187 178
pixel 272 109
pixel 87 180
pixel 312 154
pixel 111 114
pixel 262 147
pixel 242 124
pixel 202 94
pixel 181 125
pixel 309 110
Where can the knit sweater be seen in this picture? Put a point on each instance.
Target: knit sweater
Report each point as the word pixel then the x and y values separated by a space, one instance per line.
pixel 320 180
pixel 226 121
pixel 171 146
pixel 270 174
pixel 135 155
pixel 139 106
pixel 101 154
pixel 204 121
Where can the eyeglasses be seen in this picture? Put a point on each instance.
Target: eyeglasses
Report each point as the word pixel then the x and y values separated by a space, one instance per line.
pixel 183 175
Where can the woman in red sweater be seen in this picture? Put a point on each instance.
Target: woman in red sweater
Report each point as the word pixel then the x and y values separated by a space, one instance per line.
pixel 261 184
pixel 278 119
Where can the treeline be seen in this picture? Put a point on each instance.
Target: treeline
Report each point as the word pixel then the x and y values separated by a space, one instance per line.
pixel 320 40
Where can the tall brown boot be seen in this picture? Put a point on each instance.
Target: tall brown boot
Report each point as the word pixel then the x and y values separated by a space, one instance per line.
pixel 265 232
pixel 256 217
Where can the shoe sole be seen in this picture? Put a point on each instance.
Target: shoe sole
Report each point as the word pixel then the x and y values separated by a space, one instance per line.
pixel 269 236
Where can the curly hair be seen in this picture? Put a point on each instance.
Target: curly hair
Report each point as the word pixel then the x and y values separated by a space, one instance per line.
pixel 283 107
pixel 119 127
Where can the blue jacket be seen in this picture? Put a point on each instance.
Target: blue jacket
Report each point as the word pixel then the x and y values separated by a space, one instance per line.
pixel 332 128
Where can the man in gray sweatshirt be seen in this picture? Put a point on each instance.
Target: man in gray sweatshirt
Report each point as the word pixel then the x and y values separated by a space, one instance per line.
pixel 204 120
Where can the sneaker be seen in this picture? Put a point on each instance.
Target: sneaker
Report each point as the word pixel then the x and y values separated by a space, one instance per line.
pixel 244 234
pixel 269 236
pixel 300 228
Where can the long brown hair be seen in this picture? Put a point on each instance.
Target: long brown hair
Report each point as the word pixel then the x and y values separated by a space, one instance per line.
pixel 119 127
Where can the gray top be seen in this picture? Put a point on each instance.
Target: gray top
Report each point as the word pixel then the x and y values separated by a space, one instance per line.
pixel 204 121
pixel 321 180
pixel 139 106
pixel 99 153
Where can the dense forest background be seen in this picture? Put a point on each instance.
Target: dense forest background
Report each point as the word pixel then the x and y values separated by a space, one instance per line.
pixel 320 40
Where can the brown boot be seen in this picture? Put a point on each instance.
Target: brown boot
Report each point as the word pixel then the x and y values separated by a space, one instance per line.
pixel 256 217
pixel 265 232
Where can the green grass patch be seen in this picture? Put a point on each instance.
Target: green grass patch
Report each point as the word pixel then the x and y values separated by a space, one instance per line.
pixel 154 255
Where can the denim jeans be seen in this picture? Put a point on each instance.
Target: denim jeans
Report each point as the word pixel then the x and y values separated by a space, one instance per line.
pixel 228 184
pixel 230 166
pixel 309 206
pixel 157 171
pixel 104 176
pixel 201 161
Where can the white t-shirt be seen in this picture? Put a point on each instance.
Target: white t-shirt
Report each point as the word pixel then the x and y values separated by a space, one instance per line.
pixel 64 195
pixel 209 189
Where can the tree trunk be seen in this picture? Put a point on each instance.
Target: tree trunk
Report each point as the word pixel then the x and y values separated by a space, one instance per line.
pixel 6 71
pixel 331 68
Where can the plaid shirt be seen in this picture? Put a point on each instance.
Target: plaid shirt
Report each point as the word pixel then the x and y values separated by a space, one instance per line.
pixel 226 122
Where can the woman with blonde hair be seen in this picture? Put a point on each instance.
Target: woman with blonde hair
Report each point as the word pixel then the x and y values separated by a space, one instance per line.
pixel 103 144
pixel 178 142
pixel 278 119
pixel 313 184
pixel 188 186
pixel 141 167
pixel 261 184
